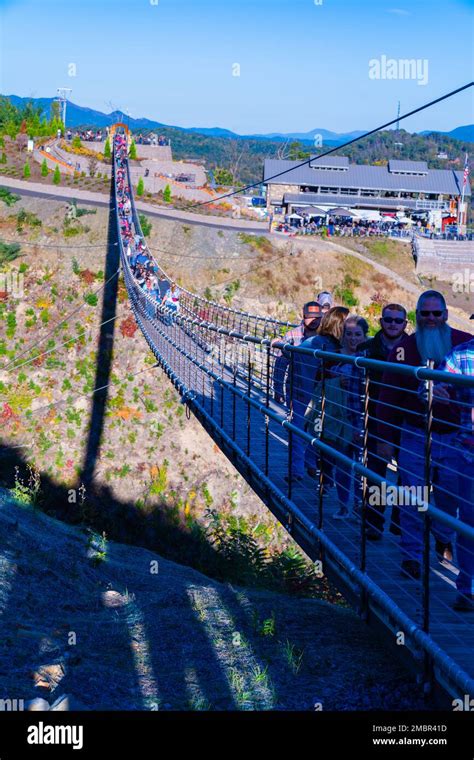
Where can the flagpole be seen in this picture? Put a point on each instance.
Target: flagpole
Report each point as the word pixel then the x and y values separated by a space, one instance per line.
pixel 463 215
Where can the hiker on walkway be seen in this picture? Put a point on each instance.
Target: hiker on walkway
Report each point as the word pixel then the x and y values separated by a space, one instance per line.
pixel 393 323
pixel 401 406
pixel 342 425
pixel 461 362
pixel 308 373
pixel 312 316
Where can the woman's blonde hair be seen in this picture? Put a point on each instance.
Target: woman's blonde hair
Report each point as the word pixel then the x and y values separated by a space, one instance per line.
pixel 332 324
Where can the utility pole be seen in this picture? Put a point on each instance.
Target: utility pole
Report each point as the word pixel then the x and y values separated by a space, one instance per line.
pixel 62 100
pixel 398 117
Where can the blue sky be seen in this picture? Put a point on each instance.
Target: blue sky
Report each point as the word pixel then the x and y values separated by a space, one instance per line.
pixel 302 64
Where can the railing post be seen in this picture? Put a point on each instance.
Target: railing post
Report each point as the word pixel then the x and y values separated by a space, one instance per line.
pixel 234 396
pixel 428 670
pixel 290 433
pixel 267 404
pixel 363 522
pixel 321 433
pixel 222 361
pixel 249 389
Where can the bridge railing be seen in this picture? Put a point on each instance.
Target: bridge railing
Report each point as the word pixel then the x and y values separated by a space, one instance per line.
pixel 351 438
pixel 195 305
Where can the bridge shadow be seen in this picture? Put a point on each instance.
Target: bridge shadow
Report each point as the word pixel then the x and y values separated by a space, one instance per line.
pixel 104 350
pixel 115 635
pixel 82 613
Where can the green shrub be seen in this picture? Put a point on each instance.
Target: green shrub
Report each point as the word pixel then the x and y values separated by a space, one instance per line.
pixel 57 176
pixel 44 168
pixel 167 194
pixel 140 186
pixel 7 197
pixel 9 252
pixel 145 224
pixel 91 299
pixel 26 170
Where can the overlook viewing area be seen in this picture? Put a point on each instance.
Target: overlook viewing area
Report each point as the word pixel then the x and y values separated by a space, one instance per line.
pixel 438 256
pixel 221 361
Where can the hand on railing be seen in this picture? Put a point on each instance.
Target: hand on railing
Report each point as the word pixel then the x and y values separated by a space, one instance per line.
pixel 385 450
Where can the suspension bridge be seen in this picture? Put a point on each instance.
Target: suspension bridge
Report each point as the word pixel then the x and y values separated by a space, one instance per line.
pixel 221 361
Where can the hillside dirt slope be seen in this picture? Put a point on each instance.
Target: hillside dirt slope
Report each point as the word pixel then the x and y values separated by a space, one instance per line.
pixel 92 624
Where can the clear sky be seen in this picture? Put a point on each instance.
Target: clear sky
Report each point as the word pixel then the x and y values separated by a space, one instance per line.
pixel 303 63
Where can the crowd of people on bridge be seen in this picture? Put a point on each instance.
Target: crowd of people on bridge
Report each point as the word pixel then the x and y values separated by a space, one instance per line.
pixel 375 416
pixel 386 426
pixel 164 295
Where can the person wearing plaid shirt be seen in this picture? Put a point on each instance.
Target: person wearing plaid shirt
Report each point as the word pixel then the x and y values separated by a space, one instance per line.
pixel 461 362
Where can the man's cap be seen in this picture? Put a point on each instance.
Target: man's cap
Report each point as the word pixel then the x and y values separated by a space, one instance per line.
pixel 325 298
pixel 312 309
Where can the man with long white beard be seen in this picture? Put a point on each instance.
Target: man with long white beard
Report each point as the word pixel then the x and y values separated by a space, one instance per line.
pixel 402 406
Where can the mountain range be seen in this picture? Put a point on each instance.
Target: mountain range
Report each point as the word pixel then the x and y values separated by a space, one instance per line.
pixel 80 116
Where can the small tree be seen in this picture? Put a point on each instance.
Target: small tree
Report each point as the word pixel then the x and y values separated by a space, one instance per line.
pixel 223 176
pixel 140 186
pixel 167 194
pixel 57 176
pixel 3 159
pixel 76 141
pixel 44 168
pixel 92 166
pixel 2 142
pixel 26 170
pixel 107 150
pixel 133 151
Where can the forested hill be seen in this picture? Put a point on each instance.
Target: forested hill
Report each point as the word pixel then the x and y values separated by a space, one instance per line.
pixel 243 157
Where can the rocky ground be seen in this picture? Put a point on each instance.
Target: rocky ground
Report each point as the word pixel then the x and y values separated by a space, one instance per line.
pixel 105 626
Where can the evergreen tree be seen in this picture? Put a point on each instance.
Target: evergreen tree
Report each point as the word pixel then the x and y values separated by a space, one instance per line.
pixel 140 186
pixel 133 151
pixel 44 168
pixel 26 170
pixel 3 159
pixel 167 194
pixel 57 176
pixel 107 150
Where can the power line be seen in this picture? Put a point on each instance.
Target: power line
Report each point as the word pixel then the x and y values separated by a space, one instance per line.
pixel 61 345
pixel 57 245
pixel 339 147
pixel 87 395
pixel 58 324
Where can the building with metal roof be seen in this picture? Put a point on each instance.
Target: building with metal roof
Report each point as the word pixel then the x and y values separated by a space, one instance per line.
pixel 333 181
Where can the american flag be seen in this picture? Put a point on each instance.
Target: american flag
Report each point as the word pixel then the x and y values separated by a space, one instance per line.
pixel 466 171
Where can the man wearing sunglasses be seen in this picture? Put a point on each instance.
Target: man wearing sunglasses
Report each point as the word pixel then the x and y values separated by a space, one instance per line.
pixel 401 407
pixel 393 322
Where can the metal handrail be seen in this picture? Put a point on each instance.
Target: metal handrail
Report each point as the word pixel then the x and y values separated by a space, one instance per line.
pixel 184 345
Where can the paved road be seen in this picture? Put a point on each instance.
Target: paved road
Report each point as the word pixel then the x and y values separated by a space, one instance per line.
pixel 38 190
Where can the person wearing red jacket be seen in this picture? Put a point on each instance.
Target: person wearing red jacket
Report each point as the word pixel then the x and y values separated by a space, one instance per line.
pixel 402 406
